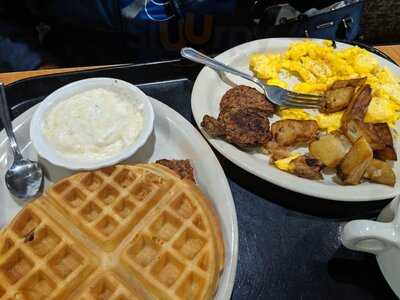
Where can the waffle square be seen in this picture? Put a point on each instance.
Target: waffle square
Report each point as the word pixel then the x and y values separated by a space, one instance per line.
pixel 124 232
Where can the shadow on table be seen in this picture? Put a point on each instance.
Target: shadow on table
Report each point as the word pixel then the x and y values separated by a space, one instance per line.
pixel 362 271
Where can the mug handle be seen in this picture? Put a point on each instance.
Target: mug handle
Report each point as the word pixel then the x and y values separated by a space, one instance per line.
pixel 369 236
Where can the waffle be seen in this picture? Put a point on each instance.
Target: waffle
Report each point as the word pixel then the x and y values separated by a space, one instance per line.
pixel 124 232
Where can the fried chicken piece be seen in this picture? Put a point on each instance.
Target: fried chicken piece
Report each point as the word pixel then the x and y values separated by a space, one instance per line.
pixel 307 167
pixel 245 127
pixel 212 126
pixel 243 96
pixel 182 167
pixel 358 105
pixel 291 132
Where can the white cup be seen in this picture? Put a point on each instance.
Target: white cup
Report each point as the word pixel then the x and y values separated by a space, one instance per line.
pixel 375 237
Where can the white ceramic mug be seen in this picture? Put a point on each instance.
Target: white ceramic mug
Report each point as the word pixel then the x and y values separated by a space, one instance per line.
pixel 375 237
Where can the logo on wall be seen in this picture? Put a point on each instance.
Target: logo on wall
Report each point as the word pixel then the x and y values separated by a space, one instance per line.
pixel 157 10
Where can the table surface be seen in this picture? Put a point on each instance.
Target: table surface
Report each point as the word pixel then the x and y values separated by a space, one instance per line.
pixel 393 51
pixel 289 245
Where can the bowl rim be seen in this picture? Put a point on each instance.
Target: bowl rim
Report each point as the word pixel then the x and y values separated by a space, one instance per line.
pixel 48 152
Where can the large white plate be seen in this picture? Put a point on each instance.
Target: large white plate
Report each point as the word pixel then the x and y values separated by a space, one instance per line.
pixel 207 92
pixel 174 138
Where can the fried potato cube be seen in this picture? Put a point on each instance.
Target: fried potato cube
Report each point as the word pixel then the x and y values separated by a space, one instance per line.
pixel 307 167
pixel 349 82
pixel 291 132
pixel 336 100
pixel 388 153
pixel 358 105
pixel 354 129
pixel 355 162
pixel 275 151
pixel 329 149
pixel 380 172
pixel 340 94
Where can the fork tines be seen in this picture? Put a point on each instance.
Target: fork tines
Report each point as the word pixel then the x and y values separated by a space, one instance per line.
pixel 302 100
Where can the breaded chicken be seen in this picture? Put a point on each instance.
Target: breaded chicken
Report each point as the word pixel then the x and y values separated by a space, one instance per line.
pixel 182 167
pixel 291 132
pixel 243 96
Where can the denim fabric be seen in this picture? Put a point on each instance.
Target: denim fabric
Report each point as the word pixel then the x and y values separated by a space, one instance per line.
pixel 95 14
pixel 17 56
pixel 18 47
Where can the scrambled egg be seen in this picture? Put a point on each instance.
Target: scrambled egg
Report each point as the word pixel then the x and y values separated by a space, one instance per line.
pixel 328 122
pixel 317 66
pixel 285 164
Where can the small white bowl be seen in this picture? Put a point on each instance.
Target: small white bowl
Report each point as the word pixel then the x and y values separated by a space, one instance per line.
pixel 47 151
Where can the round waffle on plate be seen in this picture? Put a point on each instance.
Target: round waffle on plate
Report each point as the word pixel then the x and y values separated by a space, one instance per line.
pixel 124 232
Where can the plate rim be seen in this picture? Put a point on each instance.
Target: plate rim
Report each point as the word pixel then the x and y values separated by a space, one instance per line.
pixel 234 248
pixel 347 194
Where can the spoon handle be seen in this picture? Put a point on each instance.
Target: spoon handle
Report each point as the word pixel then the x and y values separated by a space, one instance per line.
pixel 6 120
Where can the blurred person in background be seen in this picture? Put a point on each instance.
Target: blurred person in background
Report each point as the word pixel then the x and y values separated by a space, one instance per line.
pixel 34 33
pixel 39 33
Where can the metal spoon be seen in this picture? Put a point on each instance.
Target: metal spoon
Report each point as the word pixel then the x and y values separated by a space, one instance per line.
pixel 24 179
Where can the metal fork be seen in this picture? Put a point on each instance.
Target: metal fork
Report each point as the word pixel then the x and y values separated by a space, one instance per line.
pixel 275 94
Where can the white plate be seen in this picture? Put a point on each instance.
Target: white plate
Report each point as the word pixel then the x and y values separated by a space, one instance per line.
pixel 174 138
pixel 207 93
